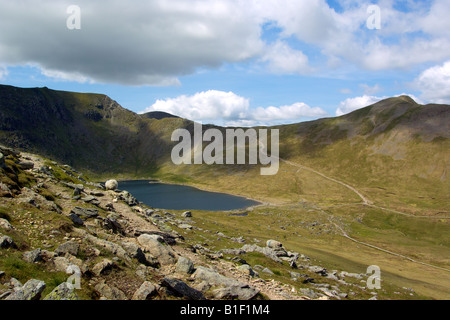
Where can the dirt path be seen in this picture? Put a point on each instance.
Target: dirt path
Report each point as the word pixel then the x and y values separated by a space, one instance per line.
pixel 365 202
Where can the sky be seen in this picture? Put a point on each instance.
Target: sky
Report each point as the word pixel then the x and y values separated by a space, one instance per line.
pixel 231 62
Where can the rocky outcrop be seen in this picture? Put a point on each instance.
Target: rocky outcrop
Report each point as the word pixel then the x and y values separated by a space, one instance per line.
pixel 145 292
pixel 64 291
pixel 155 245
pixel 29 291
pixel 229 288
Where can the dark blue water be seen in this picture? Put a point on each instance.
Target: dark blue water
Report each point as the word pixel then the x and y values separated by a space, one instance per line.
pixel 175 197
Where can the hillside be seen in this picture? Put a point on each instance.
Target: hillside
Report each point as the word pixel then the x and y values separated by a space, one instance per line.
pixel 369 187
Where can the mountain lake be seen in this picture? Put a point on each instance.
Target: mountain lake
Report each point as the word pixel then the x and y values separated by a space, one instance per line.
pixel 178 197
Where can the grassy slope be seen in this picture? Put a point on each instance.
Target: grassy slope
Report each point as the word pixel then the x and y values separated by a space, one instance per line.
pixel 393 152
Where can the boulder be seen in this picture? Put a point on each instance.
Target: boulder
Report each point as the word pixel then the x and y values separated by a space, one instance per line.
pixel 111 223
pixel 246 269
pixel 181 289
pixel 63 264
pixel 6 242
pixel 109 292
pixel 64 291
pixel 32 256
pixel 185 226
pixel 128 199
pixel 26 165
pixel 29 291
pixel 134 251
pixel 76 219
pixel 145 292
pixel 84 212
pixel 111 185
pixel 5 225
pixel 319 270
pixel 103 267
pixel 187 214
pixel 70 247
pixel 163 253
pixel 231 289
pixel 185 265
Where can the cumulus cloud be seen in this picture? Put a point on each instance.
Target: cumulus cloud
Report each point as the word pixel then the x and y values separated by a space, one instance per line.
pixel 227 108
pixel 205 106
pixel 352 104
pixel 281 58
pixel 434 84
pixel 153 42
pixel 156 41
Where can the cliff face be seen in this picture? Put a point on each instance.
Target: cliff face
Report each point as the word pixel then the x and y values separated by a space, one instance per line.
pixel 88 131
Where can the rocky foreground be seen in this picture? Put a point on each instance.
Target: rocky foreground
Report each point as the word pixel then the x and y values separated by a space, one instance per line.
pixel 63 237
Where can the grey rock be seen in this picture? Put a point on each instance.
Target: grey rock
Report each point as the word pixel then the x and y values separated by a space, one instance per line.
pixel 319 270
pixel 231 287
pixel 135 252
pixel 267 270
pixel 185 265
pixel 245 268
pixel 15 283
pixel 109 292
pixel 64 291
pixel 76 219
pixel 182 289
pixel 185 226
pixel 26 165
pixel 145 292
pixel 68 247
pixel 7 242
pixel 45 170
pixel 187 214
pixel 77 192
pixel 128 198
pixel 111 223
pixel 240 292
pixel 5 225
pixel 268 252
pixel 84 212
pixel 32 256
pixel 103 267
pixel 163 253
pixel 29 291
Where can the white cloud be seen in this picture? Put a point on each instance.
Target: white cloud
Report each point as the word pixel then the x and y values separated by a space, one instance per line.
pixel 205 106
pixel 352 104
pixel 227 108
pixel 434 84
pixel 156 41
pixel 294 112
pixel 149 43
pixel 64 76
pixel 281 58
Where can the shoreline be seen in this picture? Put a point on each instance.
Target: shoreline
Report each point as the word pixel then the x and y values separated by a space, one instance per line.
pixel 155 181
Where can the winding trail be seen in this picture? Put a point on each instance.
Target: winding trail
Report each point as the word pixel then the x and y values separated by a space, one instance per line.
pixel 365 202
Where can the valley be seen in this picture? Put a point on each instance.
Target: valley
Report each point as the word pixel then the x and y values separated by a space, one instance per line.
pixel 368 188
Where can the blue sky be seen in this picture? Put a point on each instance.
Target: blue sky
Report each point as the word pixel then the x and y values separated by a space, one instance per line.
pixel 231 62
